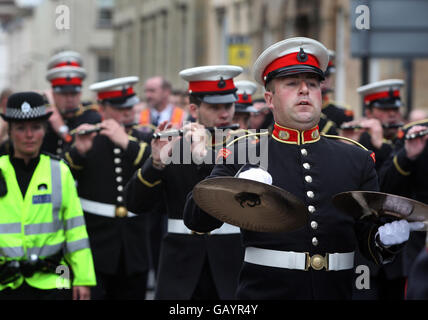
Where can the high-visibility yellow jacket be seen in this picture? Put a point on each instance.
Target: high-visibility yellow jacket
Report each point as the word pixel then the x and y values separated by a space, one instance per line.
pixel 47 220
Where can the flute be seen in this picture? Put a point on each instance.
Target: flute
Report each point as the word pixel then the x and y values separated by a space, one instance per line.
pixel 98 129
pixel 416 135
pixel 177 133
pixel 384 126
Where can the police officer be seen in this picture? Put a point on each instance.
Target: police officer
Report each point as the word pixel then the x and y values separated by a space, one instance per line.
pixel 314 168
pixel 41 223
pixel 192 265
pixel 103 158
pixel 66 74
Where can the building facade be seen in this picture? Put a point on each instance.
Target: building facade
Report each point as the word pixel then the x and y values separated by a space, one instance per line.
pixel 162 37
pixel 42 29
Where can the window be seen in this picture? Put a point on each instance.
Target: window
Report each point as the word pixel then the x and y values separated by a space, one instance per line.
pixel 105 13
pixel 105 68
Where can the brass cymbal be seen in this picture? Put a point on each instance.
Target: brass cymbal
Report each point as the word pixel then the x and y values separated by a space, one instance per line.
pixel 250 204
pixel 363 203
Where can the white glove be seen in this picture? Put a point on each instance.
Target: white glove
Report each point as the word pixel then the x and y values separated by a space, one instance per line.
pixel 256 174
pixel 397 232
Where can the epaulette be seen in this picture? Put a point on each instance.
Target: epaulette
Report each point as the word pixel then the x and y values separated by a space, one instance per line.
pixel 344 138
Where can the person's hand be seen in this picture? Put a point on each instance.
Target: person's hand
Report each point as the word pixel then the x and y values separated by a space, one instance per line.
pixel 162 148
pixel 83 143
pixel 397 232
pixel 414 147
pixel 115 132
pixel 196 134
pixel 81 293
pixel 256 174
pixel 353 134
pixel 374 128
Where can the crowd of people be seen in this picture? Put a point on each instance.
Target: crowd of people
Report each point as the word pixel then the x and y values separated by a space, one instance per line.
pixel 104 190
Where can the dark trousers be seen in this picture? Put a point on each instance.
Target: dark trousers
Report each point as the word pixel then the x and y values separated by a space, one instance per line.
pixel 26 292
pixel 205 288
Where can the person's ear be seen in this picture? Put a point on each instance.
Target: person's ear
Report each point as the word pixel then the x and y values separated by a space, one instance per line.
pixel 193 110
pixel 269 98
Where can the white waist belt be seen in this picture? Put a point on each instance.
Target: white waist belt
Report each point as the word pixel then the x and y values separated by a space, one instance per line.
pixel 178 226
pixel 299 260
pixel 101 209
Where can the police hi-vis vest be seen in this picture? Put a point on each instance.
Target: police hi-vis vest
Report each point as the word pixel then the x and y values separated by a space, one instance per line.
pixel 47 220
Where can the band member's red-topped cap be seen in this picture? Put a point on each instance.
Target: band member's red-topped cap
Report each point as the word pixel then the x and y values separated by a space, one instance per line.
pixel 212 84
pixel 291 56
pixel 382 94
pixel 246 89
pixel 118 93
pixel 331 67
pixel 66 79
pixel 65 59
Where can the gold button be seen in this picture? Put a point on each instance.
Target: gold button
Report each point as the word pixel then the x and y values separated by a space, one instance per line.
pixel 304 152
pixel 317 262
pixel 284 135
pixel 121 212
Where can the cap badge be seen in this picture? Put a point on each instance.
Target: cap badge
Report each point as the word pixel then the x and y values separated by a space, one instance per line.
pixel 391 93
pixel 68 78
pixel 245 96
pixel 221 84
pixel 25 107
pixel 302 56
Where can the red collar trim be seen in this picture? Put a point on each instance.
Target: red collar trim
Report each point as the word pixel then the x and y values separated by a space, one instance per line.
pixel 292 136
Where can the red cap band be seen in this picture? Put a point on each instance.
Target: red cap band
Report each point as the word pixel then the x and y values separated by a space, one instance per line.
pixel 241 99
pixel 115 94
pixel 380 95
pixel 67 64
pixel 290 60
pixel 211 86
pixel 66 82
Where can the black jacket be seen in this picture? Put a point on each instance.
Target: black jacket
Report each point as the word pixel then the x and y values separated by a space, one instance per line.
pixel 334 167
pixel 183 256
pixel 101 176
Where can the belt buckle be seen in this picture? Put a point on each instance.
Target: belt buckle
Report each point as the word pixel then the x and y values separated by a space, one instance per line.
pixel 316 262
pixel 121 212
